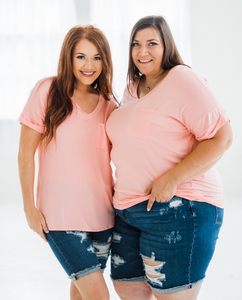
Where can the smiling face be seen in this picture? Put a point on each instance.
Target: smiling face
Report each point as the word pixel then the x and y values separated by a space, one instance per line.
pixel 147 51
pixel 87 64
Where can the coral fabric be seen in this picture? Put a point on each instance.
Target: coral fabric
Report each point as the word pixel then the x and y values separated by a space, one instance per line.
pixel 75 182
pixel 152 134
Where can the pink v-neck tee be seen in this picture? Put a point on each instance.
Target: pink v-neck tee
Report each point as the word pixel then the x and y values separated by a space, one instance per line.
pixel 75 182
pixel 152 134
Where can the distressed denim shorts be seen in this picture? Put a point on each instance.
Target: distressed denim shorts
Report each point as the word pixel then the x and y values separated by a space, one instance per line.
pixel 80 253
pixel 178 236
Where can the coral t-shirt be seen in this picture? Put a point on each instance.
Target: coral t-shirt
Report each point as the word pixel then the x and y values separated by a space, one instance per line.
pixel 75 182
pixel 152 134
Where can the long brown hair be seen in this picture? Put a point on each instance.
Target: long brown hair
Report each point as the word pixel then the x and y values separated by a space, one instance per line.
pixel 59 104
pixel 171 56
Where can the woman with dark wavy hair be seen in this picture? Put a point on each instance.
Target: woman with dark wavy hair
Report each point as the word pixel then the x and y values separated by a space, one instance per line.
pixel 65 119
pixel 167 135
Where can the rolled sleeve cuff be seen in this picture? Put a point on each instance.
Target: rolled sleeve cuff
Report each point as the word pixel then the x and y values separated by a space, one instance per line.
pixel 23 119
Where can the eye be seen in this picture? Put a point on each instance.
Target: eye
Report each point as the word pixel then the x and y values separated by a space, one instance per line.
pixel 80 57
pixel 152 44
pixel 97 58
pixel 135 44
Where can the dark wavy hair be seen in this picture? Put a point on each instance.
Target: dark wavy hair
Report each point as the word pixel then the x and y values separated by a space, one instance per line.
pixel 171 56
pixel 59 104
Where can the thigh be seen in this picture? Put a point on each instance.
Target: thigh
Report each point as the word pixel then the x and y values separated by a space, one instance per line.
pixel 208 220
pixel 75 252
pixel 102 242
pixel 126 263
pixel 177 242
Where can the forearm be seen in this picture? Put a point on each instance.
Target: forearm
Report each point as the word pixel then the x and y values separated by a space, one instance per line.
pixel 26 175
pixel 199 161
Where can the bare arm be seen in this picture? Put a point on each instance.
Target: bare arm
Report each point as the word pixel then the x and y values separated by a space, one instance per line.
pixel 29 141
pixel 199 161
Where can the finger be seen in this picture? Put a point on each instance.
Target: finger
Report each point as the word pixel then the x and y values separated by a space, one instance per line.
pixel 44 224
pixel 150 202
pixel 43 236
pixel 147 191
pixel 45 227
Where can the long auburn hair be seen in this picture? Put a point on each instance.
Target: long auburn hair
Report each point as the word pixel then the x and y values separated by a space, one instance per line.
pixel 171 56
pixel 59 103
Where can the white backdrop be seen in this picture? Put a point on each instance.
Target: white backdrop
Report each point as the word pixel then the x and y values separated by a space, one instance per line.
pixel 31 34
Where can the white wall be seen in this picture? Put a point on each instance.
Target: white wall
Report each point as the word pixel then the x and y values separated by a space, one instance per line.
pixel 216 30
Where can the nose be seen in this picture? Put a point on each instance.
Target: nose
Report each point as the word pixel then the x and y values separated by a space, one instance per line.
pixel 143 51
pixel 89 64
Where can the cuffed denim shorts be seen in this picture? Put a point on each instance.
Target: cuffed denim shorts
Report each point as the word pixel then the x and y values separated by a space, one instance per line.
pixel 178 236
pixel 80 253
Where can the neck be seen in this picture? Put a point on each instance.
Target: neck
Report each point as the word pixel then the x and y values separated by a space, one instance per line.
pixel 83 88
pixel 150 80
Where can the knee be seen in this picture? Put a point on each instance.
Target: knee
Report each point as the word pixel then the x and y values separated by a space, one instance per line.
pixel 133 290
pixel 74 293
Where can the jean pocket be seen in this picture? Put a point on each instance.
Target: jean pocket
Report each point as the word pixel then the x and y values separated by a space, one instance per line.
pixel 102 141
pixel 140 123
pixel 219 215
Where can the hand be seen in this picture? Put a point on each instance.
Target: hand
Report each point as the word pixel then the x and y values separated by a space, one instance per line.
pixel 36 222
pixel 161 190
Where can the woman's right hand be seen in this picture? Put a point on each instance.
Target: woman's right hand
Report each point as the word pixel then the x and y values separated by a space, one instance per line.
pixel 36 222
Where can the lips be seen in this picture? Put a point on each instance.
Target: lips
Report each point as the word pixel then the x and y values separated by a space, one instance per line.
pixel 88 74
pixel 144 61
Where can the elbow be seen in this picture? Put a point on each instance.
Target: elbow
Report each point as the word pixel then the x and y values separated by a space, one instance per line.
pixel 24 156
pixel 224 137
pixel 228 140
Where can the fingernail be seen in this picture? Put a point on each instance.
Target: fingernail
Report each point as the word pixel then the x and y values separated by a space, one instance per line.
pixel 148 208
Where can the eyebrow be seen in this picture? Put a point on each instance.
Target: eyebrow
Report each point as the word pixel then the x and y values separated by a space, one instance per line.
pixel 85 54
pixel 147 40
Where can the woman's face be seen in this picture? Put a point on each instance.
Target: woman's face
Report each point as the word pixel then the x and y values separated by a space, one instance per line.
pixel 147 51
pixel 87 64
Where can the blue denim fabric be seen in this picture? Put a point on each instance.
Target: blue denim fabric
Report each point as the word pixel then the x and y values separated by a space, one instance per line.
pixel 80 253
pixel 179 235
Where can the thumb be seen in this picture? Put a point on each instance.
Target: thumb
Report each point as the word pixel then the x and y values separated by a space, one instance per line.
pixel 147 191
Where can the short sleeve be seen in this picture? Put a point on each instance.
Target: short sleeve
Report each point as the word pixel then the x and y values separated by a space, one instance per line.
pixel 201 111
pixel 33 114
pixel 207 126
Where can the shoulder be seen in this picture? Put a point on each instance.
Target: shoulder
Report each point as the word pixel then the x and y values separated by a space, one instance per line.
pixel 39 93
pixel 130 93
pixel 186 74
pixel 113 101
pixel 43 85
pixel 110 104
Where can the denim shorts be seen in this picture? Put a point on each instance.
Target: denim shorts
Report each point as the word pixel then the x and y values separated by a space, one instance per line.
pixel 178 236
pixel 80 253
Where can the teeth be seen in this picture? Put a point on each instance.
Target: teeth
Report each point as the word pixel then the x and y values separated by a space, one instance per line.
pixel 147 60
pixel 86 73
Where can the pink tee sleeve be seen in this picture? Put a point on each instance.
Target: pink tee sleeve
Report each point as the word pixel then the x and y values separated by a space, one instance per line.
pixel 33 114
pixel 202 113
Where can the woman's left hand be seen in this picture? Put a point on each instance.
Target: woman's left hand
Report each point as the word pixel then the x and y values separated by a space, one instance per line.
pixel 161 190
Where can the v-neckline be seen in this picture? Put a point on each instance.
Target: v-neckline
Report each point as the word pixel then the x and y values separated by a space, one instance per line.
pixel 96 109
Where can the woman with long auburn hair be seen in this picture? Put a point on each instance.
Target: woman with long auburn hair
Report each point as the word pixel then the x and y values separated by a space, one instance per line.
pixel 65 119
pixel 167 135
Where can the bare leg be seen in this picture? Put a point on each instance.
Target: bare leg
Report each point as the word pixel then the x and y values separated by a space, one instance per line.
pixel 183 295
pixel 141 291
pixel 74 293
pixel 93 287
pixel 133 290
